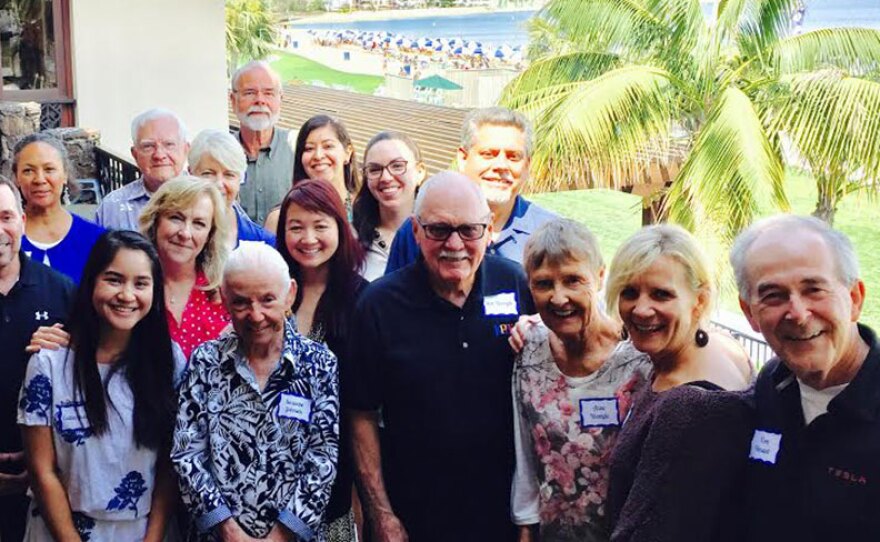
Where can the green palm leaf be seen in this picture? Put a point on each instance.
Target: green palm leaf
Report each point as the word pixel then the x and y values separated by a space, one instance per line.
pixel 856 50
pixel 731 172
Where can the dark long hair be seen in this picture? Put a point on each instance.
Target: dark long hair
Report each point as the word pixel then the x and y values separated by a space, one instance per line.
pixel 147 362
pixel 365 210
pixel 319 121
pixel 343 278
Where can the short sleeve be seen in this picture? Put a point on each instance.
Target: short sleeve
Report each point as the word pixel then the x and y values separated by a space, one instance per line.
pixel 179 364
pixel 35 399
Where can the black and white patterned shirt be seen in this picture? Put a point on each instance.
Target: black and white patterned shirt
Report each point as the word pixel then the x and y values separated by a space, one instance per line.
pixel 259 457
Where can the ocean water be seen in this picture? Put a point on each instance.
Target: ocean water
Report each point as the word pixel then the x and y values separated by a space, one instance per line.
pixel 510 27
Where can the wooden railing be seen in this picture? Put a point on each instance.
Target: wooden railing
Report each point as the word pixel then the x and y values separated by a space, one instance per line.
pixel 114 171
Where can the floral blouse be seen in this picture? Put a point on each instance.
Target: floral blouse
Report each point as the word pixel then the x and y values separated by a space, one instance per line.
pixel 108 479
pixel 258 456
pixel 565 428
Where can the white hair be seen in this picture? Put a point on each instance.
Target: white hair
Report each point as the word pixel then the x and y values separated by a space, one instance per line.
pixel 156 113
pixel 219 145
pixel 444 179
pixel 252 255
pixel 254 64
pixel 846 262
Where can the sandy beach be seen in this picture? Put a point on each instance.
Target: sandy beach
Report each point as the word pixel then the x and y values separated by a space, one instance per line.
pixel 396 14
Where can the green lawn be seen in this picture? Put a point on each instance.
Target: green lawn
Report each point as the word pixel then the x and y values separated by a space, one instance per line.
pixel 296 68
pixel 613 216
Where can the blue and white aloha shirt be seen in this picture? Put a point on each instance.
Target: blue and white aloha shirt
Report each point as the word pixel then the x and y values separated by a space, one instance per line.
pixel 109 479
pixel 258 456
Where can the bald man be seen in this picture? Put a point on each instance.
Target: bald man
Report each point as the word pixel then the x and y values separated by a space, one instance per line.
pixel 430 351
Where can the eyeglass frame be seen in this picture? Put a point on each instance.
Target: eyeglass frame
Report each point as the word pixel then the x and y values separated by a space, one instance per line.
pixel 169 146
pixel 388 167
pixel 454 229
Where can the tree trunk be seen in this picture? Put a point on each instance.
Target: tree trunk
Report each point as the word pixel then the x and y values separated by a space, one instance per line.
pixel 828 198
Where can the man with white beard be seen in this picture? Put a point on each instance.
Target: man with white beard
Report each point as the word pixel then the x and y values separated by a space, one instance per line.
pixel 495 152
pixel 256 100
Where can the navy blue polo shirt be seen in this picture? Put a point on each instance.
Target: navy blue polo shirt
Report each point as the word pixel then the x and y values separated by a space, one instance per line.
pixel 524 219
pixel 816 482
pixel 41 297
pixel 442 375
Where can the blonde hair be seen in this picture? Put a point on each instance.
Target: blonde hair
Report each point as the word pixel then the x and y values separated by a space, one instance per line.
pixel 641 250
pixel 181 193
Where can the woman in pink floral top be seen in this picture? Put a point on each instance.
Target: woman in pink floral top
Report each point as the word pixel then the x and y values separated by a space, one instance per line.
pixel 572 388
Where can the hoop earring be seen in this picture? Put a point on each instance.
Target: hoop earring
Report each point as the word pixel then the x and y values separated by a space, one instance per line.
pixel 701 338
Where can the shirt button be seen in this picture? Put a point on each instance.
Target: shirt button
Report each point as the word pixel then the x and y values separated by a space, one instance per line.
pixel 259 189
pixel 464 345
pixel 462 318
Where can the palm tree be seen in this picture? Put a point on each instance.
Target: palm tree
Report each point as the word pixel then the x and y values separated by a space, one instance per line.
pixel 250 31
pixel 625 81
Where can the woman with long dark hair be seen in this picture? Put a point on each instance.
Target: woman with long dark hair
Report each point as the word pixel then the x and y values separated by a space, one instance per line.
pixel 323 152
pixel 324 257
pixel 393 170
pixel 97 415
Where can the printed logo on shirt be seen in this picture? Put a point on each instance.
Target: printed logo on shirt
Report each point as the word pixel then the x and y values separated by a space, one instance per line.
pixel 765 446
pixel 295 407
pixel 503 329
pixel 503 304
pixel 599 412
pixel 848 476
pixel 41 315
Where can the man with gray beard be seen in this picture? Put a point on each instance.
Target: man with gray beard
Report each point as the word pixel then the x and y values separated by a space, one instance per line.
pixel 256 100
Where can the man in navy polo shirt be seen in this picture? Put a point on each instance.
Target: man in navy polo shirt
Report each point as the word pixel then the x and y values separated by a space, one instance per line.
pixel 814 464
pixel 495 152
pixel 31 295
pixel 430 350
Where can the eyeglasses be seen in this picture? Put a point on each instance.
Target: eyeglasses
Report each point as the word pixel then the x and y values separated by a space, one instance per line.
pixel 395 167
pixel 251 93
pixel 442 232
pixel 150 147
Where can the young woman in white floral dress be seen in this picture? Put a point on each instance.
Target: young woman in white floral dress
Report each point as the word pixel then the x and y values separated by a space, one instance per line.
pixel 97 415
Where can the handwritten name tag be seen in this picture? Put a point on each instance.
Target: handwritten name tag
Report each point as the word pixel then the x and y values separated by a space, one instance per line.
pixel 765 446
pixel 72 416
pixel 599 412
pixel 295 407
pixel 500 304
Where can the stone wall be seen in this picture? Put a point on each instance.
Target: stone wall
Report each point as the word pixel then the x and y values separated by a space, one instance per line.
pixel 18 119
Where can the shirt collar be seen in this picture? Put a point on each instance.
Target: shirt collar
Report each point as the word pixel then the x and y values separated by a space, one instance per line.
pixel 273 143
pixel 138 189
pixel 26 273
pixel 233 352
pixel 430 297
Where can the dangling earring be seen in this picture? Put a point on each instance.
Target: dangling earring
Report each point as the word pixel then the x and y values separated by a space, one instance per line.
pixel 701 338
pixel 624 334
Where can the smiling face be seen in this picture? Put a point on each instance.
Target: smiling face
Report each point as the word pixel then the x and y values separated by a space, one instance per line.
pixel 453 262
pixel 225 179
pixel 566 297
pixel 11 227
pixel 311 238
pixel 324 157
pixel 159 151
pixel 497 160
pixel 660 309
pixel 256 301
pixel 390 190
pixel 797 300
pixel 257 100
pixel 123 293
pixel 40 175
pixel 181 235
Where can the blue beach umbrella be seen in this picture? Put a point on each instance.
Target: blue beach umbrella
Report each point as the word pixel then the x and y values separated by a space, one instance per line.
pixel 499 53
pixel 478 51
pixel 458 51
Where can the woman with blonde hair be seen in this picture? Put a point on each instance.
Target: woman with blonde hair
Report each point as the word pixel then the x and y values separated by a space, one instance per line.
pixel 187 221
pixel 676 468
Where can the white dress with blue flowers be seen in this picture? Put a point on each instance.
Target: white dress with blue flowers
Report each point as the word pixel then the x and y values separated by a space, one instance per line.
pixel 109 480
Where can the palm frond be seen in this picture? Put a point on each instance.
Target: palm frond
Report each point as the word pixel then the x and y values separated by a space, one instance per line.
pixel 732 171
pixel 856 50
pixel 595 133
pixel 833 120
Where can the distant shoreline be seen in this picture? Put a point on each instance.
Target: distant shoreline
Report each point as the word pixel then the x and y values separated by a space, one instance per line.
pixel 397 14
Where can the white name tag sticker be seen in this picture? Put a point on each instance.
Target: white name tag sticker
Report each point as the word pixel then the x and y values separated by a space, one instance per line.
pixel 765 446
pixel 294 407
pixel 73 416
pixel 600 412
pixel 500 304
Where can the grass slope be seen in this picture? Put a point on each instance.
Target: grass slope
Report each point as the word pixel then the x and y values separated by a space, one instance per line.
pixel 296 68
pixel 614 216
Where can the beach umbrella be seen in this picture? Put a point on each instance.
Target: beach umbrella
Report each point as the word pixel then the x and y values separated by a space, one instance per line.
pixel 437 82
pixel 478 51
pixel 458 51
pixel 499 53
pixel 440 46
